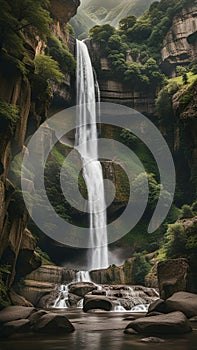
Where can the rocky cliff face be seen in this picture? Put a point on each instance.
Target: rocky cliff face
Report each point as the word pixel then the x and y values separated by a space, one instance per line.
pixel 63 10
pixel 116 90
pixel 17 244
pixel 180 43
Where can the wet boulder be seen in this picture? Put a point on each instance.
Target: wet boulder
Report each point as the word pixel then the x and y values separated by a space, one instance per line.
pixel 13 313
pixel 184 302
pixel 172 323
pixel 12 327
pixel 96 302
pixel 157 306
pixel 53 324
pixel 81 288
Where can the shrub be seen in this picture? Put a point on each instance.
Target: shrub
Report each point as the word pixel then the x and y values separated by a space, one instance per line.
pixel 60 53
pixel 175 241
pixel 46 68
pixel 186 212
pixel 141 267
pixel 9 115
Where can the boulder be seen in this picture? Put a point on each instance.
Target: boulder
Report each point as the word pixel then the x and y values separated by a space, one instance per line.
pixel 53 323
pixel 173 323
pixel 81 288
pixel 173 276
pixel 17 326
pixel 13 313
pixel 96 302
pixel 184 302
pixel 157 306
pixel 73 299
pixel 33 318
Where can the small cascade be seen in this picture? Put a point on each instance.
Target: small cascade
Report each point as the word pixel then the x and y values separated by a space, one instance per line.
pixel 62 300
pixel 140 308
pixel 83 276
pixel 119 308
pixel 80 304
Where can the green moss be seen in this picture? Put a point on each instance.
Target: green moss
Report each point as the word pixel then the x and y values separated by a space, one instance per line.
pixel 57 49
pixel 46 260
pixel 9 115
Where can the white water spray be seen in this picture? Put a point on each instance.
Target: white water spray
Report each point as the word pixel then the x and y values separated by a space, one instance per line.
pixel 92 171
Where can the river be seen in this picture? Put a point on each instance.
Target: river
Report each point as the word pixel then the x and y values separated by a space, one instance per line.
pixel 98 331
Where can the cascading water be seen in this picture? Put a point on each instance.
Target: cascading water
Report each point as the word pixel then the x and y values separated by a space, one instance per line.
pixel 62 299
pixel 86 132
pixel 83 276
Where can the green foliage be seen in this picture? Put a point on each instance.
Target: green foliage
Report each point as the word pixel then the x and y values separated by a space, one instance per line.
pixel 141 267
pixel 46 260
pixel 17 17
pixel 164 102
pixel 185 99
pixel 175 241
pixel 186 212
pixel 194 208
pixel 9 115
pixel 127 23
pixel 101 34
pixel 128 138
pixel 139 32
pixel 59 52
pixel 46 68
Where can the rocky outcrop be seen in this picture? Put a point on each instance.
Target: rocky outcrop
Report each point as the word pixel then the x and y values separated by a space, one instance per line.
pixel 17 244
pixel 63 10
pixel 113 91
pixel 173 276
pixel 41 283
pixel 114 274
pixel 116 90
pixel 180 43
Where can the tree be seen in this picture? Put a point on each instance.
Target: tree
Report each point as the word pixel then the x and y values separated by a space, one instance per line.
pixel 127 23
pixel 176 239
pixel 186 212
pixel 101 33
pixel 60 53
pixel 140 31
pixel 47 68
pixel 17 18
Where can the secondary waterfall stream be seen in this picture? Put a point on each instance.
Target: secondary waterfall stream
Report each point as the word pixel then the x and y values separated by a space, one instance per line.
pixel 86 141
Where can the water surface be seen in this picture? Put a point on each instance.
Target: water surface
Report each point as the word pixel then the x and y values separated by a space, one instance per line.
pixel 98 331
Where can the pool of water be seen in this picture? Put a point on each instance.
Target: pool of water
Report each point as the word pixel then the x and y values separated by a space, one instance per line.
pixel 97 331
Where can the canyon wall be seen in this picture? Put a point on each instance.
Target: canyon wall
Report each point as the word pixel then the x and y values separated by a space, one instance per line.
pixel 180 43
pixel 17 249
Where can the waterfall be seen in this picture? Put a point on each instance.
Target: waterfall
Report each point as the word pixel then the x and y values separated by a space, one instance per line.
pixel 62 299
pixel 83 276
pixel 86 131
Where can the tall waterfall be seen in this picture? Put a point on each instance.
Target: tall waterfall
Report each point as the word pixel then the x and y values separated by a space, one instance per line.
pixel 86 131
